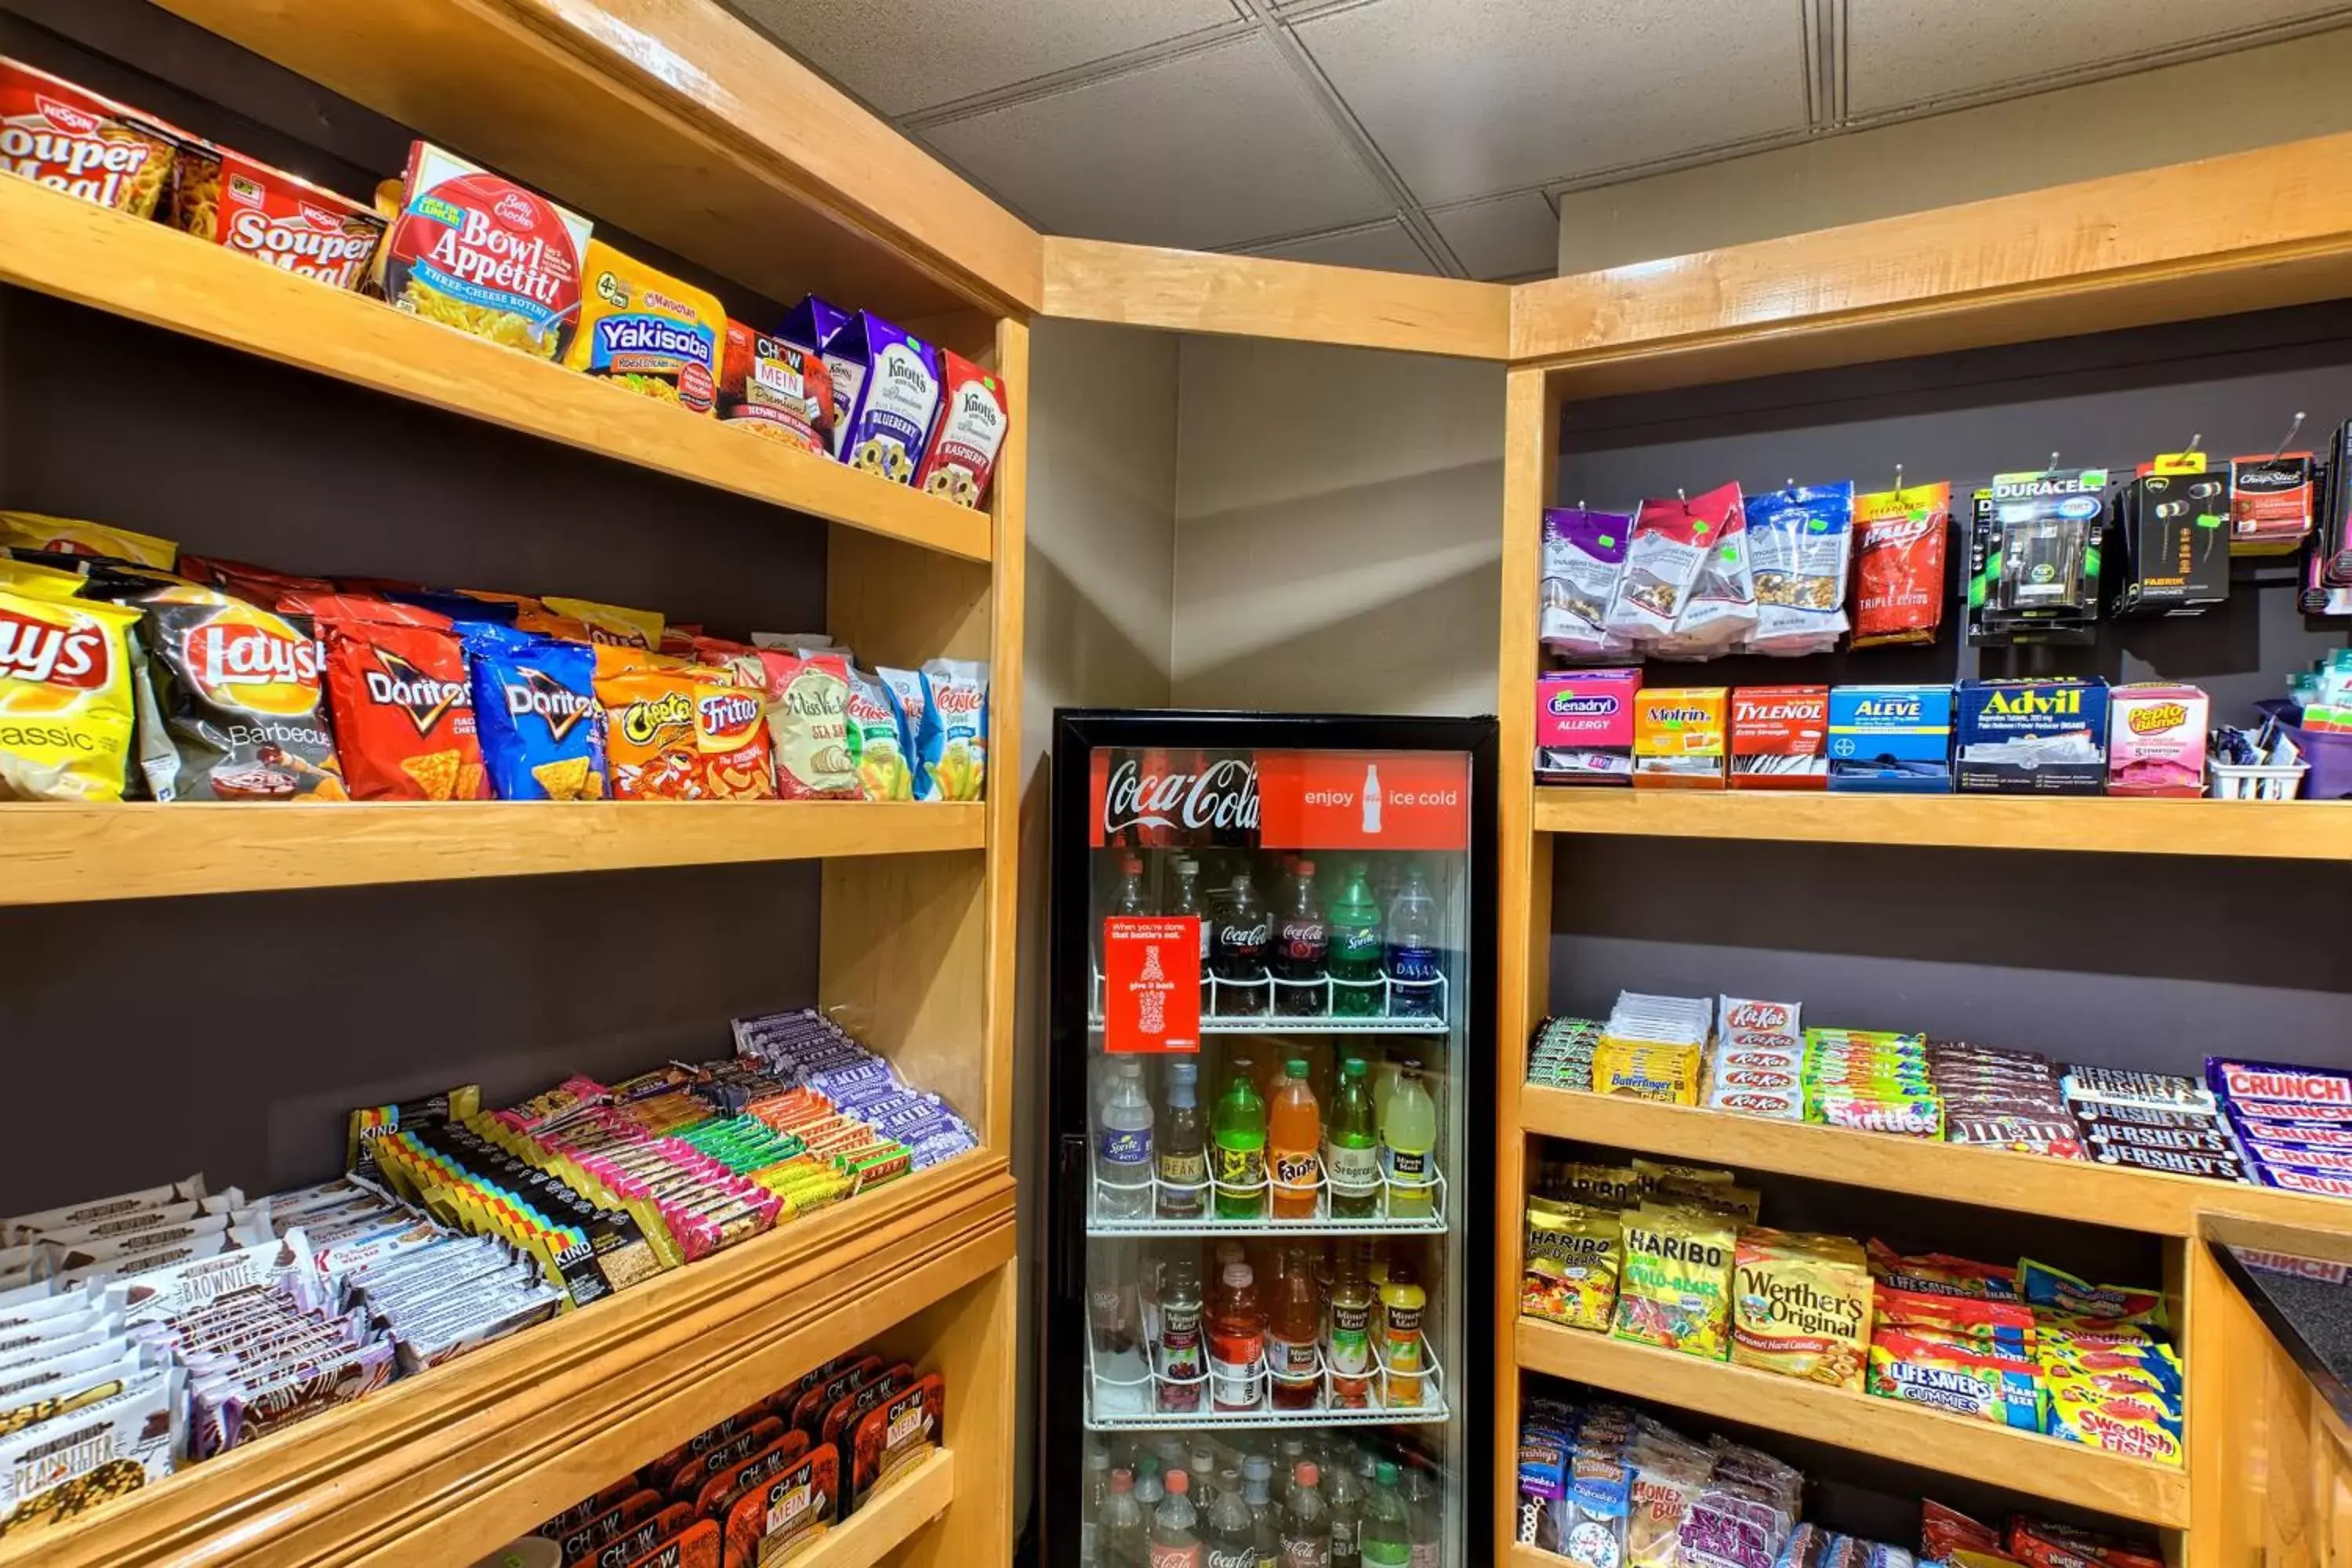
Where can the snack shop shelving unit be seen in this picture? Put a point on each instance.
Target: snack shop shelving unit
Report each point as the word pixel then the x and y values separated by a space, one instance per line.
pixel 679 122
pixel 2105 254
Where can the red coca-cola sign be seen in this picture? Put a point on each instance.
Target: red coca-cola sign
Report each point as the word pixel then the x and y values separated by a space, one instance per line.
pixel 1282 800
pixel 1172 797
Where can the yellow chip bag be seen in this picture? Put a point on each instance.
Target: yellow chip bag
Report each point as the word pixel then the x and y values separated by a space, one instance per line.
pixel 610 623
pixel 70 536
pixel 648 331
pixel 41 582
pixel 66 706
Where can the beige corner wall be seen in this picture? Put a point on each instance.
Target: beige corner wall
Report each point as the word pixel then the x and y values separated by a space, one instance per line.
pixel 1338 529
pixel 2225 104
pixel 1102 510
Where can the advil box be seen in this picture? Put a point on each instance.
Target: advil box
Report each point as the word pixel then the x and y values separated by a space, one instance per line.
pixel 1779 737
pixel 2031 737
pixel 1584 726
pixel 1890 739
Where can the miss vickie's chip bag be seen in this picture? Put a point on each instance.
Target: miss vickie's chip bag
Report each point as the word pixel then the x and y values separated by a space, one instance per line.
pixel 66 703
pixel 403 699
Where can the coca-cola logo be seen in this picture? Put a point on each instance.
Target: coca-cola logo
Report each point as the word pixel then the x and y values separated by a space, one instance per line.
pixel 1222 795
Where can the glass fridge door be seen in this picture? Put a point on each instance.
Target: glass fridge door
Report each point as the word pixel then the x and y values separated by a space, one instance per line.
pixel 1275 1050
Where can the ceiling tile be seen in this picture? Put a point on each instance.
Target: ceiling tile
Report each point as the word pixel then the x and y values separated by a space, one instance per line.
pixel 1384 248
pixel 1466 97
pixel 1508 236
pixel 900 57
pixel 1902 52
pixel 1216 147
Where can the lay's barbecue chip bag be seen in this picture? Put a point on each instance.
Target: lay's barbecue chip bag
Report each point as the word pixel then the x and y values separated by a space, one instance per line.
pixel 65 708
pixel 542 733
pixel 243 700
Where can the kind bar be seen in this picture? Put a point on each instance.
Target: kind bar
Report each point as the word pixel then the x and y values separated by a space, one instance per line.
pixel 271 216
pixel 73 140
pixel 483 255
pixel 642 329
pixel 242 700
pixel 1779 737
pixel 1680 736
pixel 1900 540
pixel 970 430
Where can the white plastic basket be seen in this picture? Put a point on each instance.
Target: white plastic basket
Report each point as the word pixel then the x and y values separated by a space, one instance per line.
pixel 2241 781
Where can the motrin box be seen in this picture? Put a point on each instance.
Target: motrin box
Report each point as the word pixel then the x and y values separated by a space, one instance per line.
pixel 1679 735
pixel 1584 726
pixel 1779 737
pixel 2031 737
pixel 1890 739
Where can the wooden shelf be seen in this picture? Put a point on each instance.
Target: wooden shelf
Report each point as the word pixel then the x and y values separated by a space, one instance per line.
pixel 2289 830
pixel 888 1518
pixel 149 273
pixel 2146 1201
pixel 60 854
pixel 431 1470
pixel 1910 1434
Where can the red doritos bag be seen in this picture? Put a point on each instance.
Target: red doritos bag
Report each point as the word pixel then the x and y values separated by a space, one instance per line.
pixel 402 700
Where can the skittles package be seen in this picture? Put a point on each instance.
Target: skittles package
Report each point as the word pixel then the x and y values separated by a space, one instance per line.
pixel 66 700
pixel 401 699
pixel 543 734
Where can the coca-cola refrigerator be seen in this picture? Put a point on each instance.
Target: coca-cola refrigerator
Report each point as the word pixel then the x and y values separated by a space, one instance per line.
pixel 1271 1100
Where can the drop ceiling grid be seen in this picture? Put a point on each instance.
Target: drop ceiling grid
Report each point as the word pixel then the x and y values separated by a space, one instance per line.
pixel 1437 135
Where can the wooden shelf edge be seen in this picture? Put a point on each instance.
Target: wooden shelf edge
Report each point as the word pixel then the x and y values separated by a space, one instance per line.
pixel 153 274
pixel 434 1469
pixel 2288 830
pixel 58 853
pixel 1910 1434
pixel 2149 1202
pixel 889 1519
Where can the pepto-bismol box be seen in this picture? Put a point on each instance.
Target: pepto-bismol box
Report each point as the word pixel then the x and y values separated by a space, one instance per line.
pixel 2031 737
pixel 1890 739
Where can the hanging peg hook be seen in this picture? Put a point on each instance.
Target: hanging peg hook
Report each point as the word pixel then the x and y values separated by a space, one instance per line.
pixel 1899 478
pixel 2291 432
pixel 2054 458
pixel 2195 441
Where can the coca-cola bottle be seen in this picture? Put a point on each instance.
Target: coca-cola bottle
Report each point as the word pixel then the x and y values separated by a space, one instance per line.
pixel 1301 941
pixel 1245 931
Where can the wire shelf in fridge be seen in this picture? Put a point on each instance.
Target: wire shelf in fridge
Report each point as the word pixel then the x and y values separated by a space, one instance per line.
pixel 1391 1006
pixel 1126 1394
pixel 1139 1208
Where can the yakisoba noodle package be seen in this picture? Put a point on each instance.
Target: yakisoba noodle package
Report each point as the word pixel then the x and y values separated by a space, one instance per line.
pixel 543 734
pixel 67 713
pixel 484 255
pixel 271 216
pixel 242 700
pixel 32 531
pixel 402 697
pixel 73 140
pixel 642 329
pixel 970 430
pixel 684 735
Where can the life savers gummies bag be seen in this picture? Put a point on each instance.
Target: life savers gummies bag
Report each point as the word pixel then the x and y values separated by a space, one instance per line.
pixel 66 714
pixel 484 255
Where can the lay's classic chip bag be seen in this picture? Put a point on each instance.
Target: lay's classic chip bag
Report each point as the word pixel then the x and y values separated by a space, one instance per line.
pixel 402 700
pixel 70 536
pixel 66 709
pixel 542 733
pixel 242 700
pixel 684 735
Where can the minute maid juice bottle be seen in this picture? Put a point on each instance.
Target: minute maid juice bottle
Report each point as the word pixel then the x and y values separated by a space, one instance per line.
pixel 648 332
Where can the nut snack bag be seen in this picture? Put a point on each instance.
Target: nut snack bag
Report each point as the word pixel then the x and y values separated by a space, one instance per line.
pixel 648 332
pixel 484 255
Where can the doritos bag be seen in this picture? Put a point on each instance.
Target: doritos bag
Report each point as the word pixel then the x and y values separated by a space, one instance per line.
pixel 542 733
pixel 684 735
pixel 402 697
pixel 66 706
pixel 241 697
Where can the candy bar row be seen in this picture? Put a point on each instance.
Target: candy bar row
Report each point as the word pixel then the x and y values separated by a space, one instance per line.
pixel 1674 1256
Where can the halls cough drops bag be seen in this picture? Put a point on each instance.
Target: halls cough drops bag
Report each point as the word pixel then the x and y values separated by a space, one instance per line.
pixel 66 711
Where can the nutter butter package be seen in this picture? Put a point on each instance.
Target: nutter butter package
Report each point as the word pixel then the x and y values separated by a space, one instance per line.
pixel 479 252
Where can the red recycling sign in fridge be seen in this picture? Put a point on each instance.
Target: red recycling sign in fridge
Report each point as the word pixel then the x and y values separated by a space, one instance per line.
pixel 1151 970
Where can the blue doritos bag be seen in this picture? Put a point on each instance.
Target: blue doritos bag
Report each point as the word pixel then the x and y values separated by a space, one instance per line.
pixel 535 704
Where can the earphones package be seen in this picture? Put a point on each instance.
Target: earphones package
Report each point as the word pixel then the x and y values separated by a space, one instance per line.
pixel 2176 543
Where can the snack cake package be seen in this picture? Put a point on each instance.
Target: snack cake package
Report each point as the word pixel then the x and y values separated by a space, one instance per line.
pixel 401 697
pixel 224 196
pixel 542 733
pixel 484 255
pixel 2031 737
pixel 1584 726
pixel 970 429
pixel 1779 737
pixel 2156 740
pixel 642 329
pixel 1679 736
pixel 67 707
pixel 887 427
pixel 1890 739
pixel 73 140
pixel 242 700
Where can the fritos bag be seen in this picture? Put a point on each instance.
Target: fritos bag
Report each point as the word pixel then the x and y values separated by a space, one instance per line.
pixel 403 699
pixel 241 697
pixel 808 727
pixel 684 735
pixel 66 714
